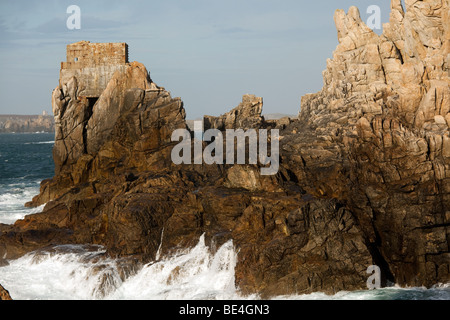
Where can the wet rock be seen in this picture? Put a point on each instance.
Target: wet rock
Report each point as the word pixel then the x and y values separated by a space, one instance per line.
pixel 4 294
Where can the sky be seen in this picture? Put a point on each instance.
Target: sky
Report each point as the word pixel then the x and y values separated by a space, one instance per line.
pixel 208 52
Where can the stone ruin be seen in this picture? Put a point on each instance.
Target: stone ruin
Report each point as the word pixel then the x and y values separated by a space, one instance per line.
pixel 93 64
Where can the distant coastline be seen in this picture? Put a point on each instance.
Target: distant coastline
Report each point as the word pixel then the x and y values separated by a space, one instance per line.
pixel 12 123
pixel 26 123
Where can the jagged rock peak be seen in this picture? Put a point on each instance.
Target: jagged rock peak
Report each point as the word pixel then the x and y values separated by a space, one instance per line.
pixel 246 115
pixel 404 72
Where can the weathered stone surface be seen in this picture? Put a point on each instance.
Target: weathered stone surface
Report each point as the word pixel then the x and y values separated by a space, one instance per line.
pixel 245 116
pixel 93 64
pixel 393 90
pixel 316 246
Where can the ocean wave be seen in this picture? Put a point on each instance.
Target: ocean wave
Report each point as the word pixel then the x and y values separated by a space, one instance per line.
pixel 82 272
pixel 396 292
pixel 40 142
pixel 76 272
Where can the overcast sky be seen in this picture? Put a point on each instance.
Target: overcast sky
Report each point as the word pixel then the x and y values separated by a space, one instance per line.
pixel 208 52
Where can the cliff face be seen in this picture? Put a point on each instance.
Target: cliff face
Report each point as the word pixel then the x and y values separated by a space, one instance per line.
pixel 385 108
pixel 364 171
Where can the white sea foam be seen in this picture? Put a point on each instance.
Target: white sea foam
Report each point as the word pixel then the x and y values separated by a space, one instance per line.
pixel 438 292
pixel 195 274
pixel 79 272
pixel 50 276
pixel 40 142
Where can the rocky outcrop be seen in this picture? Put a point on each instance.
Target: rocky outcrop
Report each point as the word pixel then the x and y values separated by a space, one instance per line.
pixel 245 116
pixel 364 171
pixel 26 124
pixel 383 108
pixel 4 294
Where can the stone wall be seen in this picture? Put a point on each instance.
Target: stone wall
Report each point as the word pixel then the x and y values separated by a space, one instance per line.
pixel 93 64
pixel 86 54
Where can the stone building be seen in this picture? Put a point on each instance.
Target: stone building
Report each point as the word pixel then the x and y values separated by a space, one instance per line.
pixel 93 64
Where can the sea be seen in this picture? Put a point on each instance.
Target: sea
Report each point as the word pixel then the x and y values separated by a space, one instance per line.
pixel 82 272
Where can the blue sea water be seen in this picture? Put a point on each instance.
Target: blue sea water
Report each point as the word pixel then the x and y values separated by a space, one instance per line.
pixel 74 272
pixel 25 160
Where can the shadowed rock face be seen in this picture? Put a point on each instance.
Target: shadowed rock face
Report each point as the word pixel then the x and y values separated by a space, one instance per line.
pixel 364 171
pixel 4 294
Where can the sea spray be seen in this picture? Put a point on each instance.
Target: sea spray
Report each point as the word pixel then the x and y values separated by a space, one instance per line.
pixel 12 200
pixel 437 292
pixel 83 272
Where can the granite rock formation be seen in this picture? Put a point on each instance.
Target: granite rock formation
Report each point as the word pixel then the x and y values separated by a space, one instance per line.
pixel 384 111
pixel 364 170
